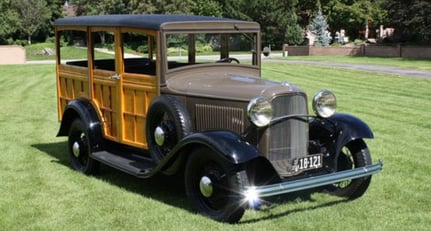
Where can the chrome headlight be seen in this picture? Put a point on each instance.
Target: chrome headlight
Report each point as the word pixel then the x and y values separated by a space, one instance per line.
pixel 324 103
pixel 260 111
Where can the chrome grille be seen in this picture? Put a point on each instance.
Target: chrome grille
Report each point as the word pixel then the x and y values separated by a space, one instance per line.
pixel 219 117
pixel 289 139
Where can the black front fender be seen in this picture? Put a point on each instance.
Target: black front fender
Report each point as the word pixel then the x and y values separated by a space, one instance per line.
pixel 225 144
pixel 339 130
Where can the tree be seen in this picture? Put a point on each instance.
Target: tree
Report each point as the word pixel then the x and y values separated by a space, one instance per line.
pixel 8 22
pixel 319 28
pixel 46 29
pixel 208 8
pixel 294 33
pixel 100 7
pixel 161 6
pixel 305 11
pixel 33 14
pixel 411 20
pixel 278 19
pixel 353 15
pixel 281 21
pixel 141 7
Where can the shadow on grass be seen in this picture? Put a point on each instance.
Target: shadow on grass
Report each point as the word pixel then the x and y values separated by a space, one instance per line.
pixel 170 189
pixel 292 211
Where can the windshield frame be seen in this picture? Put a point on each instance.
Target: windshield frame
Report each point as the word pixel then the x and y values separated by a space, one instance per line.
pixel 254 53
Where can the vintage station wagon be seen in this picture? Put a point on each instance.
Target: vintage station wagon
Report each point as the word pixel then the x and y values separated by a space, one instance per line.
pixel 177 94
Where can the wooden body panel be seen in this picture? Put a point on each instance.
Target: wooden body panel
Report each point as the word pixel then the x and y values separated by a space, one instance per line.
pixel 120 98
pixel 72 83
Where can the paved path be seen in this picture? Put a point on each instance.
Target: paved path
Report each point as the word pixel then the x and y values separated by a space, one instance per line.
pixel 364 67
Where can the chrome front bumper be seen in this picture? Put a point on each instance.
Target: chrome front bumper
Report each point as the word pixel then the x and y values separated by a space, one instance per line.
pixel 312 182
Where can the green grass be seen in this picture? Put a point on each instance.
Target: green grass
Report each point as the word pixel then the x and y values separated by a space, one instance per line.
pixel 415 63
pixel 35 51
pixel 39 190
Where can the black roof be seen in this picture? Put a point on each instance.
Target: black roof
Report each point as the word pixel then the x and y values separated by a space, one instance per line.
pixel 148 21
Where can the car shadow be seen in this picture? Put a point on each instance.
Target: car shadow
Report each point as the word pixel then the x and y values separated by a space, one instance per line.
pixel 166 189
pixel 271 215
pixel 170 189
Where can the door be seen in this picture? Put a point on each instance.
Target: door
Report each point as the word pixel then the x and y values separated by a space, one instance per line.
pixel 139 83
pixel 106 80
pixel 124 82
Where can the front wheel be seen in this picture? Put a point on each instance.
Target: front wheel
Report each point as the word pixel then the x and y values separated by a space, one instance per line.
pixel 213 188
pixel 79 145
pixel 355 154
pixel 167 123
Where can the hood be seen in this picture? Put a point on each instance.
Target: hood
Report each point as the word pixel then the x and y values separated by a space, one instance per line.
pixel 227 86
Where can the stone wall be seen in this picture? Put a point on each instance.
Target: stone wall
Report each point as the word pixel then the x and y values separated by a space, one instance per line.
pixel 12 55
pixel 363 50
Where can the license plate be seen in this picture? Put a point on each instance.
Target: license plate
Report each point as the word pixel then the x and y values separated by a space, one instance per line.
pixel 307 163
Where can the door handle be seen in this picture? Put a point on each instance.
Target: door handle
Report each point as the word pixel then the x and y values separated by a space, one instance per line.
pixel 115 77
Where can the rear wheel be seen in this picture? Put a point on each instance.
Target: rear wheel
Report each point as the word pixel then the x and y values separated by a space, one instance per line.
pixel 79 145
pixel 213 188
pixel 355 154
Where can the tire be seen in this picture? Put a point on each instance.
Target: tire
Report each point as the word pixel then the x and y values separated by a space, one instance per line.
pixel 79 146
pixel 213 188
pixel 355 154
pixel 167 123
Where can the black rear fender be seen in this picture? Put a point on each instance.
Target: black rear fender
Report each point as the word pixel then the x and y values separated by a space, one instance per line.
pixel 84 110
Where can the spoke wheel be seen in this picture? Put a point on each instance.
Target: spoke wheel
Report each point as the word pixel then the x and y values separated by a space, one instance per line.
pixel 79 145
pixel 355 154
pixel 167 124
pixel 213 190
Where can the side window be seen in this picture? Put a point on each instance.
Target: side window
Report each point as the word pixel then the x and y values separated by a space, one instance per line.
pixel 73 46
pixel 180 50
pixel 139 53
pixel 72 78
pixel 104 50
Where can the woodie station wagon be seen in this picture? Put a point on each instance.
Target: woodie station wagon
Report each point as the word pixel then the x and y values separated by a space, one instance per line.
pixel 184 94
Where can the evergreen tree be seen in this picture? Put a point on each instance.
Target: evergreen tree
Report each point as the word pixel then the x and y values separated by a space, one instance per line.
pixel 319 28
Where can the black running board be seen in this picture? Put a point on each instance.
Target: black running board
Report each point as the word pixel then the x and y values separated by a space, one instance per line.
pixel 129 163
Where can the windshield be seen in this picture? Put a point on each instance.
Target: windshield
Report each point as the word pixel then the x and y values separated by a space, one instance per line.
pixel 184 49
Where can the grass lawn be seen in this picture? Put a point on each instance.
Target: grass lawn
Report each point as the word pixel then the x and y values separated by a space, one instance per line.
pixel 39 190
pixel 415 63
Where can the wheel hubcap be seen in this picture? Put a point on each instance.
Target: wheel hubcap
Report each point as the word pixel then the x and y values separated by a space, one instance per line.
pixel 159 136
pixel 76 149
pixel 205 186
